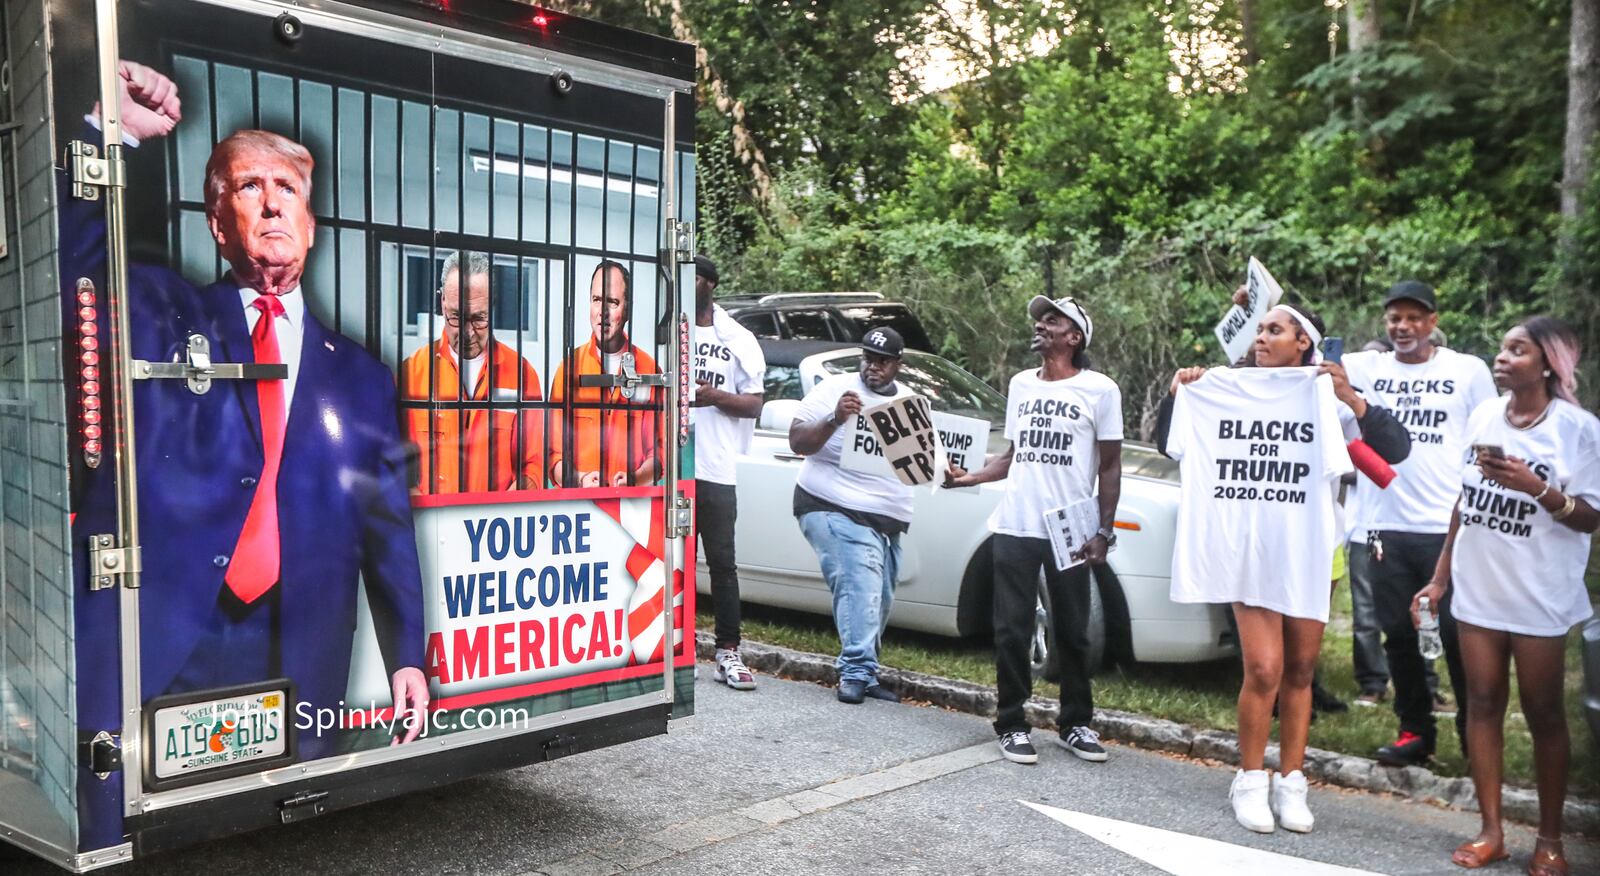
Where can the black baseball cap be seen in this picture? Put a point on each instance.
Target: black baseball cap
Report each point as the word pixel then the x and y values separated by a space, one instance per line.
pixel 1411 290
pixel 705 267
pixel 884 341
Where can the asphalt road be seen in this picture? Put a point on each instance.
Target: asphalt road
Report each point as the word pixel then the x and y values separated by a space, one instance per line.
pixel 787 780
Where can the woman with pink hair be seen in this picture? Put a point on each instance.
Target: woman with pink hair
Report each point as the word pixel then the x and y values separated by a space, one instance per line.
pixel 1515 556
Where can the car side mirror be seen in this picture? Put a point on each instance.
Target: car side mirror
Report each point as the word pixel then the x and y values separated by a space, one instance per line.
pixel 776 415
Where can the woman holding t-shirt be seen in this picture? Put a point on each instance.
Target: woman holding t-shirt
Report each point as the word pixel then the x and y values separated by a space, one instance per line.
pixel 1280 651
pixel 1514 559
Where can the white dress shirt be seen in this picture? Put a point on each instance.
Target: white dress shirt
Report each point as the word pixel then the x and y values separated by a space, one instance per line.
pixel 291 329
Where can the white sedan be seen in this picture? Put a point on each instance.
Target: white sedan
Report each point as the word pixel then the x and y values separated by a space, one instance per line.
pixel 945 571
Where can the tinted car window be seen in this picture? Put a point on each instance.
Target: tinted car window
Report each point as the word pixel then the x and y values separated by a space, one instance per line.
pixel 762 324
pixel 895 316
pixel 809 325
pixel 1147 462
pixel 783 381
pixel 946 386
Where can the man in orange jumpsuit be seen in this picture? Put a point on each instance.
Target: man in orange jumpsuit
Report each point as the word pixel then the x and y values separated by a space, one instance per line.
pixel 613 439
pixel 504 447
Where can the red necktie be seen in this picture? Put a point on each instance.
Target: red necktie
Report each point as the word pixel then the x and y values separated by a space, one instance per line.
pixel 256 558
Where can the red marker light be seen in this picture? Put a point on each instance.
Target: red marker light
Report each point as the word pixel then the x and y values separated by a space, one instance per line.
pixel 89 343
pixel 91 372
pixel 91 417
pixel 90 357
pixel 91 387
pixel 540 20
pixel 89 328
pixel 91 432
pixel 91 447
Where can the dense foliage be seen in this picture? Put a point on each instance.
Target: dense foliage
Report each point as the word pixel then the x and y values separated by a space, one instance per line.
pixel 1134 153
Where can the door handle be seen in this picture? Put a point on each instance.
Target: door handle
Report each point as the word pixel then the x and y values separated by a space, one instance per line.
pixel 788 457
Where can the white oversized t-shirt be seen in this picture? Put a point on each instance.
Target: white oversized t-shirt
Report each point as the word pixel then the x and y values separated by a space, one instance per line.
pixel 821 476
pixel 1433 400
pixel 727 357
pixel 1054 427
pixel 1514 567
pixel 1260 453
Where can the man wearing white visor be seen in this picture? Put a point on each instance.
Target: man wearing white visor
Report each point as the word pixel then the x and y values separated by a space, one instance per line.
pixel 1064 422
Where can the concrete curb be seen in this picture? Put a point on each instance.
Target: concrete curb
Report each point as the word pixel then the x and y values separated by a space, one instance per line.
pixel 1344 770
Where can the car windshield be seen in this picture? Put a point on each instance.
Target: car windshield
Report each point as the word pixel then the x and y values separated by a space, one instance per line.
pixel 1145 461
pixel 946 386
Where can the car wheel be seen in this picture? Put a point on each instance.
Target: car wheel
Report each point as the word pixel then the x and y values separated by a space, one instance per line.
pixel 1042 657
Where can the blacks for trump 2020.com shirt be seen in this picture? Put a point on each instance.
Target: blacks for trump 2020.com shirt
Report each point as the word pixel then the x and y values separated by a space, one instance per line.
pixel 1260 451
pixel 1515 568
pixel 1054 427
pixel 1433 400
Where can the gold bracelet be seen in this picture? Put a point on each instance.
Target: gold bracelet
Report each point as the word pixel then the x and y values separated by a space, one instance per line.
pixel 1566 509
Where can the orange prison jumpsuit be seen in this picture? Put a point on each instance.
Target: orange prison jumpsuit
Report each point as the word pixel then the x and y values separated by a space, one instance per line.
pixel 631 435
pixel 440 427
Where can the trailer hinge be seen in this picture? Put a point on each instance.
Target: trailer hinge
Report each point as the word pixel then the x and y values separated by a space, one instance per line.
pixel 682 516
pixel 199 370
pixel 680 241
pixel 559 745
pixel 107 561
pixel 90 172
pixel 304 805
pixel 103 751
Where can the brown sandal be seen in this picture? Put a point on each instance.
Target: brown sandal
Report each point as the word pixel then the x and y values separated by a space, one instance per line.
pixel 1478 853
pixel 1549 860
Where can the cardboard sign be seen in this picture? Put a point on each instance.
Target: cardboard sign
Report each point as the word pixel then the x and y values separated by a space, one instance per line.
pixel 965 440
pixel 1237 331
pixel 901 435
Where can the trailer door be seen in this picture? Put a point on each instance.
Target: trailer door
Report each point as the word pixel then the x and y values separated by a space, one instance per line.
pixel 465 522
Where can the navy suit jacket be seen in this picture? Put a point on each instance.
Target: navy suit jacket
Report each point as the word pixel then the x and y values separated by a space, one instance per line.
pixel 343 497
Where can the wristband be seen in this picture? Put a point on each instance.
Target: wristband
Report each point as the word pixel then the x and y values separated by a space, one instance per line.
pixel 1566 509
pixel 1542 492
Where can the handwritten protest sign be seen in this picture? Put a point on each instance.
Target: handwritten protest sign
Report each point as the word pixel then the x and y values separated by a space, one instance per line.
pixel 901 435
pixel 1237 331
pixel 964 440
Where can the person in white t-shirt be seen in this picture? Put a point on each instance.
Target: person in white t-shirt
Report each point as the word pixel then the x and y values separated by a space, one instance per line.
pixel 1280 645
pixel 1431 391
pixel 853 519
pixel 729 376
pixel 1065 426
pixel 1514 559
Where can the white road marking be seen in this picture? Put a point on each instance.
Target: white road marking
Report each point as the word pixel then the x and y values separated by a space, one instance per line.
pixel 1183 855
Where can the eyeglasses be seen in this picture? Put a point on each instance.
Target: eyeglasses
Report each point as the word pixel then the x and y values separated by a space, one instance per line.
pixel 477 320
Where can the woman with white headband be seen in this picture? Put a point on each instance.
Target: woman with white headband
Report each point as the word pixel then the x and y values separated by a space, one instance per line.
pixel 1279 651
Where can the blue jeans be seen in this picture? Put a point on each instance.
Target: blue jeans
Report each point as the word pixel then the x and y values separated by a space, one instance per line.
pixel 860 565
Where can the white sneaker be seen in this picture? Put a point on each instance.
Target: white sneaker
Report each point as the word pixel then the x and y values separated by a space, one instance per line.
pixel 1289 802
pixel 732 671
pixel 1249 795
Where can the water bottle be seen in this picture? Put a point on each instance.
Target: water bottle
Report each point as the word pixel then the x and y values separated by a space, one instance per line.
pixel 1428 642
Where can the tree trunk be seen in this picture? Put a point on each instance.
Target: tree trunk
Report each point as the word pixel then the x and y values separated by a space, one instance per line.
pixel 1583 104
pixel 1248 53
pixel 1364 25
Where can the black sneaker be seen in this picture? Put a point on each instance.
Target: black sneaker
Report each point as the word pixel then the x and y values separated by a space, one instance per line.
pixel 1018 748
pixel 1083 742
pixel 879 692
pixel 1323 701
pixel 1407 750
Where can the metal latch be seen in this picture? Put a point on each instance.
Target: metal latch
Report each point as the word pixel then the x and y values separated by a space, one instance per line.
pixel 559 745
pixel 90 172
pixel 304 805
pixel 105 754
pixel 680 241
pixel 199 371
pixel 107 561
pixel 628 379
pixel 682 517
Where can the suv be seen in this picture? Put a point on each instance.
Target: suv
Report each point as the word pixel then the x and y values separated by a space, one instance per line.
pixel 824 316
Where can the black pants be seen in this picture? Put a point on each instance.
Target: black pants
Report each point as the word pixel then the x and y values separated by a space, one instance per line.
pixel 1017 563
pixel 716 510
pixel 1407 566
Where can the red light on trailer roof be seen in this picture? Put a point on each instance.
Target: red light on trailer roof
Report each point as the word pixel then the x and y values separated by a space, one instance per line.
pixel 540 20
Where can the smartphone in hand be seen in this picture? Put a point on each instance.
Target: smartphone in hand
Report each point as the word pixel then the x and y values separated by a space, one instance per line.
pixel 1333 350
pixel 1488 451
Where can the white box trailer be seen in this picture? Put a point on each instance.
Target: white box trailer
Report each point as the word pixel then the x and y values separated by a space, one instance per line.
pixel 343 429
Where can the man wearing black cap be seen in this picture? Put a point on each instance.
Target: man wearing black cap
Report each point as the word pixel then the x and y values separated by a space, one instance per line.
pixel 1065 426
pixel 853 519
pixel 729 376
pixel 1432 391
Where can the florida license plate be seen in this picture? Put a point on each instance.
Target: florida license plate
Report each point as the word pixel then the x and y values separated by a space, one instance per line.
pixel 224 734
